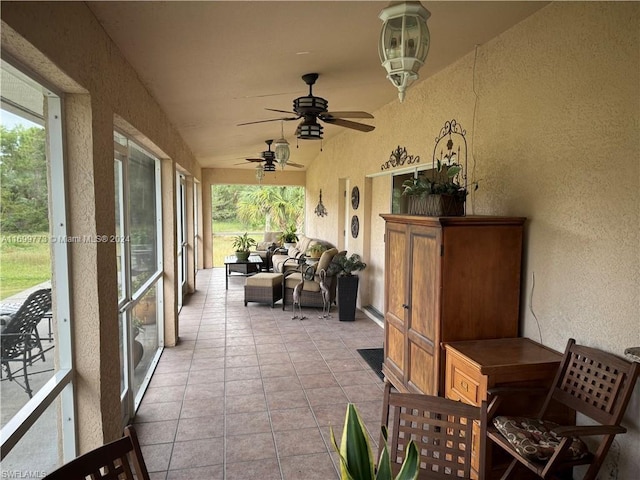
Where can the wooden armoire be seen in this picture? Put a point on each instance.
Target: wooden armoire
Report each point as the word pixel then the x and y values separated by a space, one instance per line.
pixel 446 279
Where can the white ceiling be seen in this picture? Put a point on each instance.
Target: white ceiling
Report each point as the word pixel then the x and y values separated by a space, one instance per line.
pixel 214 64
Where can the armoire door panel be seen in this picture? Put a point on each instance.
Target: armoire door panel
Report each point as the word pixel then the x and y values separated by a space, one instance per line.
pixel 395 349
pixel 425 285
pixel 421 375
pixel 396 266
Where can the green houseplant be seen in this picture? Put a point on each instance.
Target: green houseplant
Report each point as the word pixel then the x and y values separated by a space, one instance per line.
pixel 242 244
pixel 289 236
pixel 344 267
pixel 315 251
pixel 356 457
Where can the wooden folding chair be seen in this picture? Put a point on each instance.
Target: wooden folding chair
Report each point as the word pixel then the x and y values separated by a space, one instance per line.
pixel 109 462
pixel 442 430
pixel 589 381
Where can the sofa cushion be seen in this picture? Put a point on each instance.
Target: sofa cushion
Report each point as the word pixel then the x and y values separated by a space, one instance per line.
pixel 535 440
pixel 325 259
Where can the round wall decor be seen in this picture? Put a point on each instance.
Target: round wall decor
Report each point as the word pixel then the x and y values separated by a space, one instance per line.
pixel 355 198
pixel 355 226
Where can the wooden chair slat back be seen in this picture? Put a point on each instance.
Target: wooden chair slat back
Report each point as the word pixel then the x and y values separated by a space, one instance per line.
pixel 595 383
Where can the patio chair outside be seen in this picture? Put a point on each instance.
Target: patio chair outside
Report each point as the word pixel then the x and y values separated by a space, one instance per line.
pixel 20 337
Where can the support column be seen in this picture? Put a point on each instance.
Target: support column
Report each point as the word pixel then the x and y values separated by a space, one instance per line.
pixel 169 249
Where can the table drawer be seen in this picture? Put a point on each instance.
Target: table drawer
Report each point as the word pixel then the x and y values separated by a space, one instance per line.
pixel 463 382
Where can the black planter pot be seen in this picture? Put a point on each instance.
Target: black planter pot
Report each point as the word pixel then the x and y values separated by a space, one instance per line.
pixel 347 295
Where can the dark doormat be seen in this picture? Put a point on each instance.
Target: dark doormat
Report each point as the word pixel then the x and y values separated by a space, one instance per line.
pixel 374 358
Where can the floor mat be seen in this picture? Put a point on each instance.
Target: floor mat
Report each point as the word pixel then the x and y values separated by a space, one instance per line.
pixel 374 358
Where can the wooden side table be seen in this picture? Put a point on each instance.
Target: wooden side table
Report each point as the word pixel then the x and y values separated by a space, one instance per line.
pixel 473 367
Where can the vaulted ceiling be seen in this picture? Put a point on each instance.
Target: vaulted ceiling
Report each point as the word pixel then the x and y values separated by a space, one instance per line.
pixel 214 64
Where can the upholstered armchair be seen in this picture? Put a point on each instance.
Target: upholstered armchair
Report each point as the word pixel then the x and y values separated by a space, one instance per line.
pixel 266 247
pixel 311 294
pixel 283 263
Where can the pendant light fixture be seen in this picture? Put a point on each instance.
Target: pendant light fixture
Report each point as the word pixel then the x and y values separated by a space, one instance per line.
pixel 259 173
pixel 404 42
pixel 282 150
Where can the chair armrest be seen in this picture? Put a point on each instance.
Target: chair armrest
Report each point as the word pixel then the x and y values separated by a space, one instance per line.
pixel 586 430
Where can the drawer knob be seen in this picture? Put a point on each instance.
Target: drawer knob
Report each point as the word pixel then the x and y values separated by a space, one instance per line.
pixel 464 385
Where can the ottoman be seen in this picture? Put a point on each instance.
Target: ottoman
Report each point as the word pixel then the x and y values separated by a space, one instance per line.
pixel 263 288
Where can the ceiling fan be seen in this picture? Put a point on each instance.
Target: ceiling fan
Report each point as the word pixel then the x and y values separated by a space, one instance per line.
pixel 269 158
pixel 311 108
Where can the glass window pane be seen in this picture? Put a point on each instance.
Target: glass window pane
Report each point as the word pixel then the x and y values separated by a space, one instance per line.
pixel 144 326
pixel 39 452
pixel 143 219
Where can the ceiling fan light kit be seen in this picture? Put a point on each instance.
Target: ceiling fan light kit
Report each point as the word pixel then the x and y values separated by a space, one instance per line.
pixel 404 42
pixel 311 109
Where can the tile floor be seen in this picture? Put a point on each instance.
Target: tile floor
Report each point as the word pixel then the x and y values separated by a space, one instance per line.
pixel 250 393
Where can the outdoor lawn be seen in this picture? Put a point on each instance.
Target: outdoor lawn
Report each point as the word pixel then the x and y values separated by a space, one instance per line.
pixel 25 261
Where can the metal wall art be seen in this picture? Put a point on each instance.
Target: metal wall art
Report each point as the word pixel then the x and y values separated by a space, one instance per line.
pixel 320 210
pixel 453 154
pixel 398 158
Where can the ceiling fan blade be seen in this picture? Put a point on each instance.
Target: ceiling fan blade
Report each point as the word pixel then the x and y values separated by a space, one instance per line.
pixel 349 124
pixel 346 115
pixel 254 159
pixel 263 121
pixel 296 165
pixel 283 111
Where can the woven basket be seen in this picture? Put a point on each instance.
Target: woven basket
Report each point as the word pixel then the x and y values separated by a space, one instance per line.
pixel 436 205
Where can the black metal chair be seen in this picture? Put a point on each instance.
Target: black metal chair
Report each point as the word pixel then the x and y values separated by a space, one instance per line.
pixel 20 337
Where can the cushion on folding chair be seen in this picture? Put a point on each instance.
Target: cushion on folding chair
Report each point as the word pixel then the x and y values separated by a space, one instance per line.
pixel 534 439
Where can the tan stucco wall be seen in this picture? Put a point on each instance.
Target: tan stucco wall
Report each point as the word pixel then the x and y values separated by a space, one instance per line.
pixel 63 43
pixel 555 138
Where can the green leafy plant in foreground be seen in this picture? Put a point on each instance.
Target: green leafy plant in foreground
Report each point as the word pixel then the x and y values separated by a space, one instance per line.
pixel 356 458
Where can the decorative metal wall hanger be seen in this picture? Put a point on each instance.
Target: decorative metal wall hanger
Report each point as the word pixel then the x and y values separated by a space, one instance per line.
pixel 320 210
pixel 454 151
pixel 399 157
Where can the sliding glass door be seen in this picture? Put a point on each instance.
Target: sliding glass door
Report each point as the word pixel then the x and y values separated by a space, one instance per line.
pixel 139 260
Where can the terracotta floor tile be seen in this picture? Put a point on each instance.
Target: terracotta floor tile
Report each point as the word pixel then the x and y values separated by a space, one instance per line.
pixel 243 387
pixel 242 373
pixel 200 428
pixel 156 457
pixel 259 469
pixel 247 423
pixel 316 381
pixel 323 396
pixel 255 402
pixel 292 419
pixel 301 441
pixel 214 472
pixel 287 399
pixel 150 433
pixel 246 448
pixel 281 384
pixel 309 467
pixel 197 453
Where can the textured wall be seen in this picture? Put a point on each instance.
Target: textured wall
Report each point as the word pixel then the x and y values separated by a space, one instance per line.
pixel 555 138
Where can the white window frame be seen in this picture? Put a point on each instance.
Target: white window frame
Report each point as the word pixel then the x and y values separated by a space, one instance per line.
pixel 61 383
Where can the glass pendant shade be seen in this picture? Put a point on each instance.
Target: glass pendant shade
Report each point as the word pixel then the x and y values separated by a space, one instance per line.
pixel 282 151
pixel 404 43
pixel 259 173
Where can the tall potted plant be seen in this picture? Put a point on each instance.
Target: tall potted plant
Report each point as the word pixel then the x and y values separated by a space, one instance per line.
pixel 343 267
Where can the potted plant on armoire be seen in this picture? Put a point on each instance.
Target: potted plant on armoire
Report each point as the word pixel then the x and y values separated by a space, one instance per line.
pixel 344 267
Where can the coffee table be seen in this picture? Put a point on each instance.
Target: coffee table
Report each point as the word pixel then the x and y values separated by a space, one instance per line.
pixel 244 267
